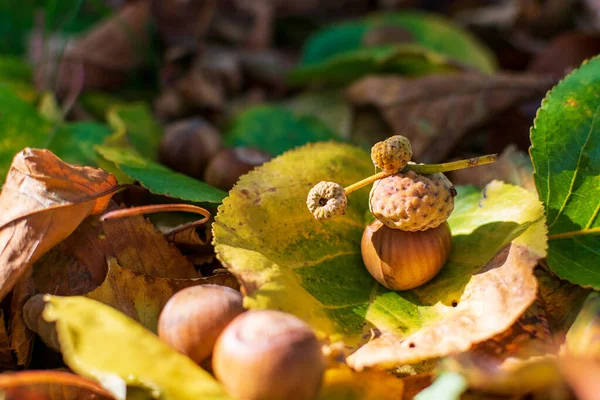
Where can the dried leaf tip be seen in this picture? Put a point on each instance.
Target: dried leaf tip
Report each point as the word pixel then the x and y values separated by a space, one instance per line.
pixel 326 200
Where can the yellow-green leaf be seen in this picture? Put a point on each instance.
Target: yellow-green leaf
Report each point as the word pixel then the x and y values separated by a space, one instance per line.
pixel 100 343
pixel 287 260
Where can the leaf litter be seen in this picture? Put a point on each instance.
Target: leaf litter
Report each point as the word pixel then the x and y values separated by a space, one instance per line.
pixel 496 321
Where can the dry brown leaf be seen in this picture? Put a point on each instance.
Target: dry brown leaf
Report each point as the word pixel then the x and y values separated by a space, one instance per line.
pixel 42 203
pixel 21 338
pixel 102 58
pixel 435 111
pixel 7 361
pixel 50 385
pixel 506 283
pixel 78 264
pixel 142 297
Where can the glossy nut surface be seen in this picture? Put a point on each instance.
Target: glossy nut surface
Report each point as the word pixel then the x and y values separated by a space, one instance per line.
pixel 402 260
pixel 194 317
pixel 269 355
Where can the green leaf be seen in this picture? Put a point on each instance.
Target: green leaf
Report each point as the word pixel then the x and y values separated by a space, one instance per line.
pixel 74 143
pixel 136 122
pixel 405 59
pixel 566 157
pixel 20 126
pixel 101 343
pixel 448 386
pixel 337 54
pixel 275 129
pixel 287 260
pixel 160 179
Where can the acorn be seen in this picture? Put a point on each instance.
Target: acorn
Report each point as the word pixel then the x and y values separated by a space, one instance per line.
pixel 194 317
pixel 266 354
pixel 403 260
pixel 228 165
pixel 188 145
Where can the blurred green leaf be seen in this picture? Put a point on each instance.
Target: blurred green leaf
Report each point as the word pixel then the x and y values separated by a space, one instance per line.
pixel 136 122
pixel 276 129
pixel 160 179
pixel 74 143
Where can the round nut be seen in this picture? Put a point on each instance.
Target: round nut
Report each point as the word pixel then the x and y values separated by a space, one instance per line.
pixel 267 354
pixel 228 165
pixel 194 317
pixel 412 202
pixel 402 260
pixel 188 145
pixel 392 154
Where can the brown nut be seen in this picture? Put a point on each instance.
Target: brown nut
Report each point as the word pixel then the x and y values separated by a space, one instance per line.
pixel 267 354
pixel 402 260
pixel 194 317
pixel 188 146
pixel 228 165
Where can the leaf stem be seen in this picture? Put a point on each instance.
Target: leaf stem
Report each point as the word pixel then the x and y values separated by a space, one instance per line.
pixel 427 169
pixel 452 165
pixel 567 235
pixel 158 208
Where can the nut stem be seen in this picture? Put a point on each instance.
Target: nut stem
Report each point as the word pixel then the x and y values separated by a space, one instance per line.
pixel 426 169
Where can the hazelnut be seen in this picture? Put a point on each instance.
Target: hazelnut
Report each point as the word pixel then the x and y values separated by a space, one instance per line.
pixel 194 317
pixel 265 354
pixel 188 145
pixel 228 165
pixel 403 260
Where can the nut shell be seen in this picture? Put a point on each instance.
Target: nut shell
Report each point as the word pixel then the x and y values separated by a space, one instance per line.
pixel 412 202
pixel 228 165
pixel 392 154
pixel 266 354
pixel 188 146
pixel 402 260
pixel 194 317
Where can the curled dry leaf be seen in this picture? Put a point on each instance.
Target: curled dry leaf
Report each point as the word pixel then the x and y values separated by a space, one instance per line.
pixel 50 385
pixel 21 338
pixel 435 111
pixel 42 203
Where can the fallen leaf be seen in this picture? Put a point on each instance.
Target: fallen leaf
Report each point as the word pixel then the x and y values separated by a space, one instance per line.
pixel 160 179
pixel 343 383
pixel 74 143
pixel 21 338
pixel 42 203
pixel 102 57
pixel 340 53
pixel 139 127
pixel 7 362
pixel 142 297
pixel 275 129
pixel 100 343
pixel 287 260
pixel 77 265
pixel 435 111
pixel 565 141
pixel 50 385
pixel 583 339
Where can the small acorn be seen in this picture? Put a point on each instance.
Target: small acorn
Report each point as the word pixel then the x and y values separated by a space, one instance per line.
pixel 188 146
pixel 194 317
pixel 266 354
pixel 403 260
pixel 228 165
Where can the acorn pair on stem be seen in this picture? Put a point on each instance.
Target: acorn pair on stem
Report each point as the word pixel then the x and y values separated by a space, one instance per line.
pixel 410 240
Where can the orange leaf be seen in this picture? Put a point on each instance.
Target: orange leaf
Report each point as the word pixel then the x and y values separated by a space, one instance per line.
pixel 50 385
pixel 42 202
